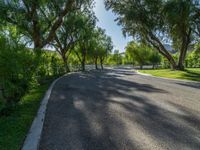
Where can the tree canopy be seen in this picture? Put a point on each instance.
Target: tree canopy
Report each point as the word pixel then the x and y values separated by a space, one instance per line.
pixel 38 19
pixel 159 22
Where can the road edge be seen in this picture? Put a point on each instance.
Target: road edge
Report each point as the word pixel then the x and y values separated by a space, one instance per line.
pixel 182 80
pixel 33 137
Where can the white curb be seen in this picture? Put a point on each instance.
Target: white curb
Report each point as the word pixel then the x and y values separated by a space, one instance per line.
pixel 33 137
pixel 144 74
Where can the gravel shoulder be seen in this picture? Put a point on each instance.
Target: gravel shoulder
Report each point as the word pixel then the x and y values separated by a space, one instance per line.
pixel 118 109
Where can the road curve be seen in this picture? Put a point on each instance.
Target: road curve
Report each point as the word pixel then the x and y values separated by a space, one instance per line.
pixel 117 109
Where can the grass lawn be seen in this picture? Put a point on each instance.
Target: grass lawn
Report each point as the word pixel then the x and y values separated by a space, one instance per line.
pixel 190 73
pixel 14 128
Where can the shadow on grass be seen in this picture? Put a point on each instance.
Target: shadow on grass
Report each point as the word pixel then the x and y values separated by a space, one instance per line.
pixel 193 74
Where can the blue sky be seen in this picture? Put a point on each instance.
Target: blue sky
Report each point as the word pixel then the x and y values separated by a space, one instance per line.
pixel 106 21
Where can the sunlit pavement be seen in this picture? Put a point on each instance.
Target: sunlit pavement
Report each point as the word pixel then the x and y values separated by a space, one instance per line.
pixel 117 109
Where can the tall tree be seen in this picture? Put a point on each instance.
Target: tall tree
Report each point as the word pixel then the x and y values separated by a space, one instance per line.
pixel 38 19
pixel 85 34
pixel 196 18
pixel 67 36
pixel 139 53
pixel 154 58
pixel 107 47
pixel 157 22
pixel 93 51
pixel 101 46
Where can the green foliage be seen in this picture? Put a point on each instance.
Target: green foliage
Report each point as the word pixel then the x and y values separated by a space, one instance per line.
pixel 21 69
pixel 76 31
pixel 154 58
pixel 115 59
pixel 49 64
pixel 193 58
pixel 158 22
pixel 165 63
pixel 84 35
pixel 141 54
pixel 17 66
pixel 100 46
pixel 14 127
pixel 128 60
pixel 189 74
pixel 39 20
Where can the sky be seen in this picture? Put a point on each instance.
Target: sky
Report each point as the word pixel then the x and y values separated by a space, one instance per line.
pixel 106 21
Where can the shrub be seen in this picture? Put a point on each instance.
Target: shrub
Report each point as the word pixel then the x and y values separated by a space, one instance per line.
pixel 17 65
pixel 193 58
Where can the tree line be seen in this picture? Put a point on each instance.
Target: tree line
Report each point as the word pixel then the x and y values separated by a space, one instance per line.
pixel 140 54
pixel 67 28
pixel 157 22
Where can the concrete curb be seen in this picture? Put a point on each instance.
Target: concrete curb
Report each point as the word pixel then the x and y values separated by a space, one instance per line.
pixel 182 80
pixel 144 74
pixel 33 137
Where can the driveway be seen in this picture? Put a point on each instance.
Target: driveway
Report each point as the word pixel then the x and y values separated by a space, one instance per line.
pixel 117 109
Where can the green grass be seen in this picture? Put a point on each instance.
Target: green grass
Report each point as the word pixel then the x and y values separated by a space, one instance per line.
pixel 189 74
pixel 13 128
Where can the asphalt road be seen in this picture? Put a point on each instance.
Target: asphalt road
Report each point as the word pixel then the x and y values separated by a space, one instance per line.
pixel 121 110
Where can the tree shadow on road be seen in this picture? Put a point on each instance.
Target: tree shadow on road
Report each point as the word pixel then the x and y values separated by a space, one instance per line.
pixel 190 84
pixel 103 112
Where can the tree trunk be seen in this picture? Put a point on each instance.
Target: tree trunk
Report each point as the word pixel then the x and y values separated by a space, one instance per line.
pixel 183 50
pixel 182 55
pixel 169 58
pixel 180 65
pixel 102 66
pixel 153 67
pixel 83 65
pixel 161 49
pixel 58 22
pixel 96 65
pixel 83 59
pixel 101 61
pixel 66 67
pixel 141 67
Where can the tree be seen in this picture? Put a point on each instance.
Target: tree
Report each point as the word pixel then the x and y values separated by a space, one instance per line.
pixel 101 46
pixel 115 58
pixel 196 18
pixel 193 58
pixel 94 46
pixel 67 36
pixel 106 49
pixel 154 58
pixel 88 22
pixel 139 53
pixel 16 69
pixel 158 22
pixel 38 19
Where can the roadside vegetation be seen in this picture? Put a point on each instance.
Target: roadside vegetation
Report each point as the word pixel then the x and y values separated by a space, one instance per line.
pixel 166 35
pixel 156 23
pixel 44 39
pixel 189 74
pixel 15 126
pixel 41 40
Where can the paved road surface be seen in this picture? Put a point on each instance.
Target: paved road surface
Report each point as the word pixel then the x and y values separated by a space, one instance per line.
pixel 120 110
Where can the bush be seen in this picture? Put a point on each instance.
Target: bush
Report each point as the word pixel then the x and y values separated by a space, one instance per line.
pixel 21 68
pixel 50 64
pixel 193 58
pixel 17 65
